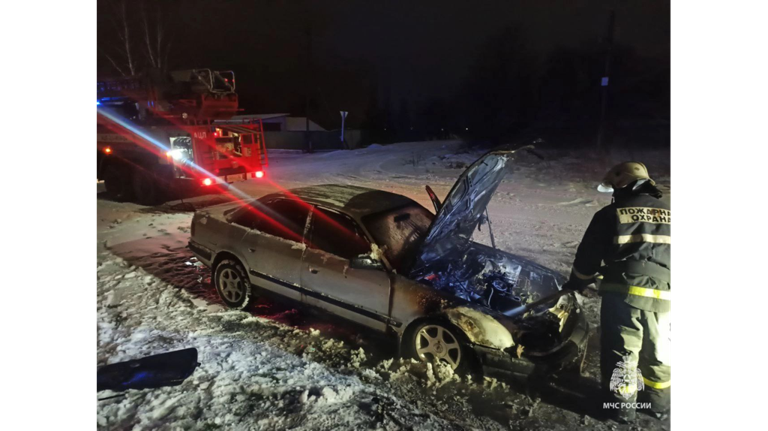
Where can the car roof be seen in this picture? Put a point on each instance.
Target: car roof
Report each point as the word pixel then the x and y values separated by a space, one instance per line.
pixel 353 200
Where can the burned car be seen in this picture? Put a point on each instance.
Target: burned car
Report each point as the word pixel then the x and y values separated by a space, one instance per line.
pixel 384 261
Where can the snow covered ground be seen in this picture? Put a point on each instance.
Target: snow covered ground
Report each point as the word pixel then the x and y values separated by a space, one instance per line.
pixel 273 366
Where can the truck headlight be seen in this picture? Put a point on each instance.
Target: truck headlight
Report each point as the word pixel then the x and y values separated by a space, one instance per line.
pixel 177 154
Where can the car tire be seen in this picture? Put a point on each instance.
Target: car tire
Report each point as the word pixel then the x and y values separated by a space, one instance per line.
pixel 117 182
pixel 146 189
pixel 437 340
pixel 232 284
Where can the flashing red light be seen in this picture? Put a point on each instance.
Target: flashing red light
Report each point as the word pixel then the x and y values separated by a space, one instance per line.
pixel 207 182
pixel 259 174
pixel 108 150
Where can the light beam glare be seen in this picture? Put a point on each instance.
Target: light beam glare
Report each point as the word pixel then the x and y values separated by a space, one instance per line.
pixel 162 149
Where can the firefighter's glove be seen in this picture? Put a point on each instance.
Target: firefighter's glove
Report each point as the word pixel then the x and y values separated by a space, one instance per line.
pixel 572 285
pixel 584 290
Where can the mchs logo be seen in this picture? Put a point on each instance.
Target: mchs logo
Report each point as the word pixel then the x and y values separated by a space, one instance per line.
pixel 626 379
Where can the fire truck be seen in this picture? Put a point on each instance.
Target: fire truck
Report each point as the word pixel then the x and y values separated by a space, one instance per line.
pixel 158 137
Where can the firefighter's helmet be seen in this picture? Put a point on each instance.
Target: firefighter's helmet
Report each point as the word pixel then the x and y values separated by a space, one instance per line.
pixel 624 174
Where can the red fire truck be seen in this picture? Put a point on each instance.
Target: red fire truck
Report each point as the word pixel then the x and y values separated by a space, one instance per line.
pixel 157 135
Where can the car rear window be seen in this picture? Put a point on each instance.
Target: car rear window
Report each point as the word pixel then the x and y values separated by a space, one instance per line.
pixel 399 232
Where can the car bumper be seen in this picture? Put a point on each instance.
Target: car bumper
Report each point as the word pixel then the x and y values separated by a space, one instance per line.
pixel 504 364
pixel 235 178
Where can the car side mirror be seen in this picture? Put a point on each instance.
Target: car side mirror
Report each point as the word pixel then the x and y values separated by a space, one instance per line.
pixel 365 261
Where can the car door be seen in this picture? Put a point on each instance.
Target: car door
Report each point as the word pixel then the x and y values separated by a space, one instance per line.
pixel 331 281
pixel 274 244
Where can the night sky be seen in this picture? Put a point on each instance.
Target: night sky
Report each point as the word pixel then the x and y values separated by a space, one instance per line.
pixel 410 51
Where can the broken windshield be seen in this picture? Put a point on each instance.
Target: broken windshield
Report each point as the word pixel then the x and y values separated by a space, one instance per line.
pixel 399 233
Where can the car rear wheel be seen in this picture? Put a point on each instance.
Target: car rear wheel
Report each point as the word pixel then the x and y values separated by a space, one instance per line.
pixel 232 284
pixel 437 341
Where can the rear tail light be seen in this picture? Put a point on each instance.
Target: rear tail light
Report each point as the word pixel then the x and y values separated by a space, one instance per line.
pixel 259 174
pixel 108 150
pixel 207 182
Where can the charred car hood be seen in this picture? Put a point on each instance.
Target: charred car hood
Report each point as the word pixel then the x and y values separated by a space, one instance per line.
pixel 463 209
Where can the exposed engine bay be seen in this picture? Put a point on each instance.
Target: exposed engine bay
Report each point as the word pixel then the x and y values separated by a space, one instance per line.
pixel 502 282
pixel 449 261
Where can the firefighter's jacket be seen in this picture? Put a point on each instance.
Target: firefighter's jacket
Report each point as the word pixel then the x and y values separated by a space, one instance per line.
pixel 628 242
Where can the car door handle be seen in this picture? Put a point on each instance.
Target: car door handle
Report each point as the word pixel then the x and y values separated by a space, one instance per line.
pixel 252 250
pixel 313 270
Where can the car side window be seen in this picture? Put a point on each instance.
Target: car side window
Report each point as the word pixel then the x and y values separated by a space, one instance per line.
pixel 337 234
pixel 282 218
pixel 247 217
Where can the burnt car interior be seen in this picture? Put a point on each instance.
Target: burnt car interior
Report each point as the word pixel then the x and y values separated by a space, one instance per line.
pixel 399 233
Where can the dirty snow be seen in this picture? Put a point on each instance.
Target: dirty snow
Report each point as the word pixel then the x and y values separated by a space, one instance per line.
pixel 273 366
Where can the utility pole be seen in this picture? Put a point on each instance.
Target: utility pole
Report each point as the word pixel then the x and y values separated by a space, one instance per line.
pixel 606 77
pixel 307 136
pixel 343 118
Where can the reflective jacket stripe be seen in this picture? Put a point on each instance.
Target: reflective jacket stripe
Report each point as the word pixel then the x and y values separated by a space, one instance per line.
pixel 642 237
pixel 657 385
pixel 637 291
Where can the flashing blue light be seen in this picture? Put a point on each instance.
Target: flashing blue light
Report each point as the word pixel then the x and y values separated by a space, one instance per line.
pixel 98 103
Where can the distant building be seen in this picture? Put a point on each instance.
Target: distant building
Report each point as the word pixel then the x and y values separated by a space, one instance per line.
pixel 282 122
pixel 282 131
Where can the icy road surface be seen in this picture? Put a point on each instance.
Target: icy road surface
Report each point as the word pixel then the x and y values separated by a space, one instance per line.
pixel 276 367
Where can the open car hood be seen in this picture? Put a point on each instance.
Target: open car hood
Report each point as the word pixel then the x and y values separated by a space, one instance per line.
pixel 464 207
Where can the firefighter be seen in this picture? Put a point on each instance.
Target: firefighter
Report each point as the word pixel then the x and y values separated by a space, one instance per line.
pixel 631 239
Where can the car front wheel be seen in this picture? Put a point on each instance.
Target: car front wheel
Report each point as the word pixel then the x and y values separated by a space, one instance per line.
pixel 232 284
pixel 436 341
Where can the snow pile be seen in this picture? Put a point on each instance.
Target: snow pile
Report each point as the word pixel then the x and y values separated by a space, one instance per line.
pixel 255 373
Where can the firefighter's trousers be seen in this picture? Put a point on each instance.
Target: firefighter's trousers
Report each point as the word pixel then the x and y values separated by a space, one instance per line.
pixel 643 337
